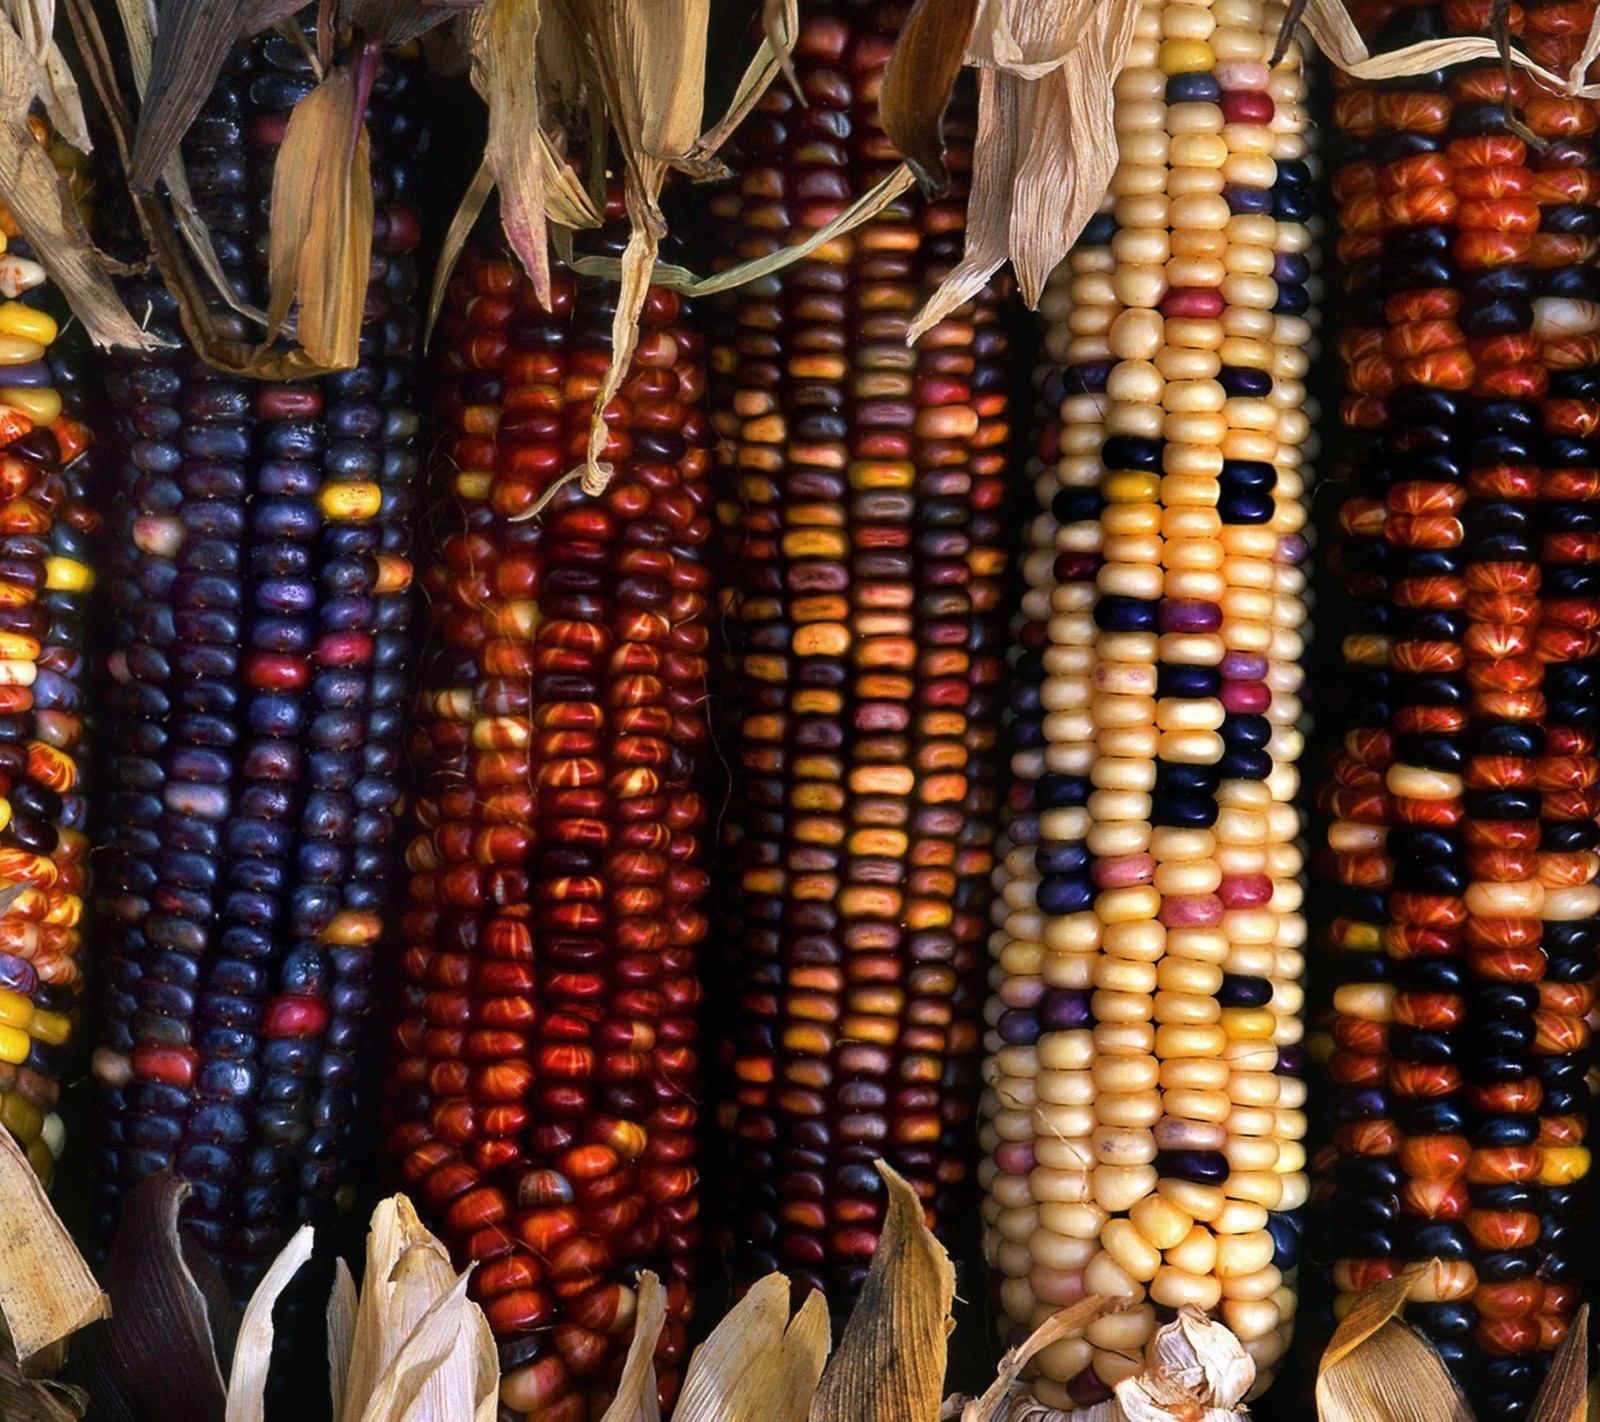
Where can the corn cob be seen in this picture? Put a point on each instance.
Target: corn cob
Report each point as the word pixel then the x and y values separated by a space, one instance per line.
pixel 1142 1114
pixel 544 1097
pixel 1463 804
pixel 45 579
pixel 862 508
pixel 257 655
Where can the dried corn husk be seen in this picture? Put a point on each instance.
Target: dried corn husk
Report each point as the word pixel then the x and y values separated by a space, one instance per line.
pixel 412 1346
pixel 157 1355
pixel 46 1289
pixel 413 1338
pixel 758 1365
pixel 1195 1370
pixel 37 196
pixel 320 248
pixel 1375 1369
pixel 1046 142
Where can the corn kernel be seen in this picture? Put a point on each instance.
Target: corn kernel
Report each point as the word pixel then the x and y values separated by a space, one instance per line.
pixel 347 501
pixel 27 322
pixel 68 575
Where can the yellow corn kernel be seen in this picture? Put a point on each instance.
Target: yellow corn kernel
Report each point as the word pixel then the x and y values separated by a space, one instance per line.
pixel 474 485
pixel 14 1045
pixel 51 1028
pixel 1131 487
pixel 1563 1165
pixel 15 1010
pixel 1247 1023
pixel 21 1117
pixel 1185 56
pixel 19 350
pixel 67 575
pixel 41 405
pixel 348 501
pixel 19 320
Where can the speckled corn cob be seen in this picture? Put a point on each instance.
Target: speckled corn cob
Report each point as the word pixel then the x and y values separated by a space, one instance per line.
pixel 863 511
pixel 259 640
pixel 1142 1113
pixel 545 1091
pixel 1463 806
pixel 45 580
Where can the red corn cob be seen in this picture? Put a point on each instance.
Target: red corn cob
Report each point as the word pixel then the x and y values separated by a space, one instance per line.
pixel 545 1091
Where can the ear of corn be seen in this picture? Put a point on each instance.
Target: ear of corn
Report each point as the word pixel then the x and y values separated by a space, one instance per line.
pixel 863 513
pixel 544 1097
pixel 45 579
pixel 259 610
pixel 1463 805
pixel 1142 1118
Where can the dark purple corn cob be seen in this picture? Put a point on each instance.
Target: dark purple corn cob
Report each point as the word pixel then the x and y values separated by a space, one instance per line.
pixel 260 603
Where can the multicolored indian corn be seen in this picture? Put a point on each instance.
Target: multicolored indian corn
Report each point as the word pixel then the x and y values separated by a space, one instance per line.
pixel 862 510
pixel 258 668
pixel 545 1094
pixel 1463 834
pixel 1142 1118
pixel 45 579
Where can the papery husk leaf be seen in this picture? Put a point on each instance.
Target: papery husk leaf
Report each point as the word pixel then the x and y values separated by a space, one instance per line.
pixel 1069 151
pixel 890 1364
pixel 222 1314
pixel 423 1277
pixel 46 1289
pixel 25 1399
pixel 1203 1357
pixel 35 22
pixel 341 1319
pixel 394 1229
pixel 918 81
pixel 1028 38
pixel 567 201
pixel 397 22
pixel 320 250
pixel 1393 1376
pixel 455 239
pixel 1068 1323
pixel 193 38
pixel 40 201
pixel 635 1399
pixel 214 343
pixel 1004 102
pixel 1376 1367
pixel 127 1361
pixel 681 279
pixel 566 67
pixel 758 1365
pixel 247 1380
pixel 1330 25
pixel 505 38
pixel 1563 1394
pixel 139 30
pixel 486 1364
pixel 645 231
pixel 447 51
pixel 428 1347
pixel 780 23
pixel 651 63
